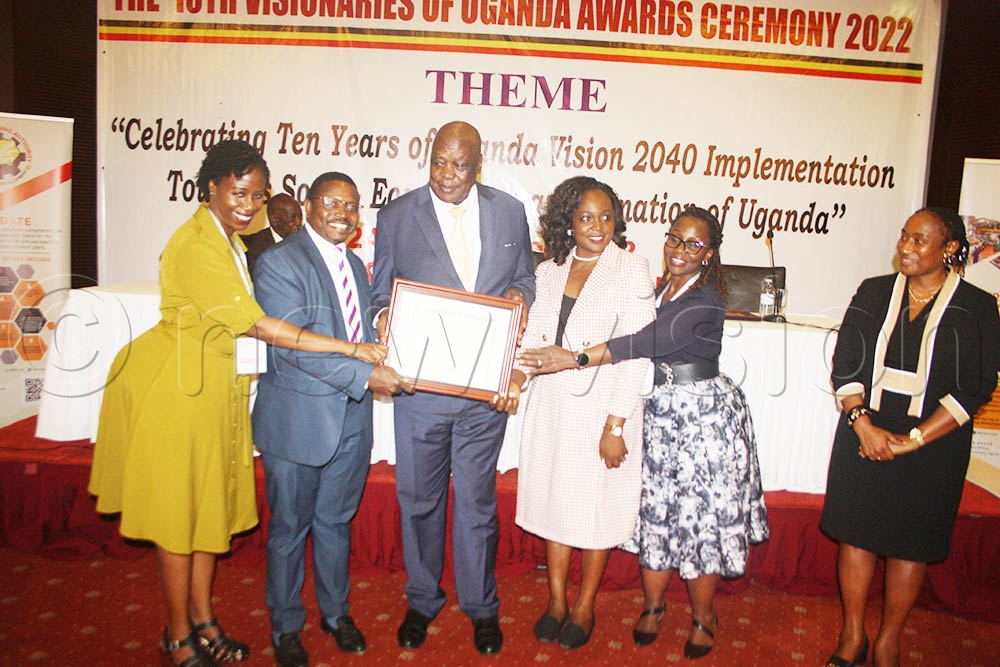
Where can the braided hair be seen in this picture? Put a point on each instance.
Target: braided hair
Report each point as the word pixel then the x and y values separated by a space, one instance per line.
pixel 556 221
pixel 954 230
pixel 712 271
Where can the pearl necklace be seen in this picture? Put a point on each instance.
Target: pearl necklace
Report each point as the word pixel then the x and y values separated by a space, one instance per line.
pixel 584 259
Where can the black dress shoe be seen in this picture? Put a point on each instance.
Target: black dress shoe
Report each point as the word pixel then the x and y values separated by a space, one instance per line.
pixel 413 632
pixel 289 651
pixel 349 638
pixel 487 635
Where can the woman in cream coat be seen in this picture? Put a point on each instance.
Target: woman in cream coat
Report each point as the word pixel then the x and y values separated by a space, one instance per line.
pixel 581 445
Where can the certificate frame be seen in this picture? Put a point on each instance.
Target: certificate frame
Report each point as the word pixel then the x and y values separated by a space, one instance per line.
pixel 452 342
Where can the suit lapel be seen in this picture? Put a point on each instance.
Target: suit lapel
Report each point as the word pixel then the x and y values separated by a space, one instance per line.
pixel 426 221
pixel 326 280
pixel 487 235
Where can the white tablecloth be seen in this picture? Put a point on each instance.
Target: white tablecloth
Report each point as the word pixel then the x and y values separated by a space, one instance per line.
pixel 782 368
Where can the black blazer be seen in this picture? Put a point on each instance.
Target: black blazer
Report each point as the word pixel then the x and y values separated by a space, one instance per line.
pixel 963 362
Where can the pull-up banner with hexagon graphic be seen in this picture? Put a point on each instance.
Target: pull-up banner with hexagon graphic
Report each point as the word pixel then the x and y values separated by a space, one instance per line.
pixel 36 169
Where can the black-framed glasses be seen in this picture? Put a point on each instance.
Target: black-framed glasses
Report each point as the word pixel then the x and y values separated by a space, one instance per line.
pixel 691 247
pixel 333 203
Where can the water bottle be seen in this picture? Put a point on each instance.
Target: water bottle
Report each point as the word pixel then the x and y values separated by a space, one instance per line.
pixel 768 298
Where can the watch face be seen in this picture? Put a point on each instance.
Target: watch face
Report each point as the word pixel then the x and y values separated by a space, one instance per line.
pixel 616 431
pixel 582 359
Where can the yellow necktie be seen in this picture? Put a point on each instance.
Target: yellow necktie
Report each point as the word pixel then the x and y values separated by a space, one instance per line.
pixel 457 247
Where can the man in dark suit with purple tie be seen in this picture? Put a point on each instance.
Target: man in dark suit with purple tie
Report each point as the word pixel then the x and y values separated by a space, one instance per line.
pixel 452 232
pixel 312 420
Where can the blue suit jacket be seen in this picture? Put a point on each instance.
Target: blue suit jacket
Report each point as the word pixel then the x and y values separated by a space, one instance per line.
pixel 409 245
pixel 302 399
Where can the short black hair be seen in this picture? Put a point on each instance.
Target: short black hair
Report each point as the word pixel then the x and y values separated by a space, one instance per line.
pixel 232 157
pixel 954 230
pixel 326 178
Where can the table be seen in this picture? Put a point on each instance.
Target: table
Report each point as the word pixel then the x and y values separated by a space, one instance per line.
pixel 782 368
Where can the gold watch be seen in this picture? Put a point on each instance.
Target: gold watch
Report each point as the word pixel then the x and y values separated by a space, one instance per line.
pixel 614 429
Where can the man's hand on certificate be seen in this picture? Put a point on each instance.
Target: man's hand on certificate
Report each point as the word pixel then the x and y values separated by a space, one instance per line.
pixel 385 380
pixel 509 402
pixel 380 323
pixel 515 295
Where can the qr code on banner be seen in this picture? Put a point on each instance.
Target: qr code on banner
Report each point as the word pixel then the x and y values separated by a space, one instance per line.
pixel 33 389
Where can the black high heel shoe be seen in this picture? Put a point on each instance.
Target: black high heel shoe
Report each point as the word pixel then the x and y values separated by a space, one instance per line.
pixel 646 638
pixel 694 651
pixel 860 659
pixel 198 658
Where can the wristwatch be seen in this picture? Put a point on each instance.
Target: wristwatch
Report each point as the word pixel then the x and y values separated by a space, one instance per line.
pixel 917 436
pixel 582 360
pixel 614 429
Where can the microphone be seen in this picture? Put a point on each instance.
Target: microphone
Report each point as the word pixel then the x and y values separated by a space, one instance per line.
pixel 776 316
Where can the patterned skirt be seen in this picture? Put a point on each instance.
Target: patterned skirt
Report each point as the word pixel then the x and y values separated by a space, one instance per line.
pixel 702 501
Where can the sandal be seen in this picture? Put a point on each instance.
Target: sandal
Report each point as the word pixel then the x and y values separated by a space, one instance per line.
pixel 197 659
pixel 646 638
pixel 220 647
pixel 694 651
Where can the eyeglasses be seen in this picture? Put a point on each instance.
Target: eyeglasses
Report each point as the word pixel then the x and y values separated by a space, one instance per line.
pixel 333 203
pixel 690 247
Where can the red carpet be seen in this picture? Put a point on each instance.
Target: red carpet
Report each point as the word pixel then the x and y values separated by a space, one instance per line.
pixel 112 607
pixel 109 612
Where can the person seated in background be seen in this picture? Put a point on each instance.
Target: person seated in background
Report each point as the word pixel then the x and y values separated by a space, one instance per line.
pixel 580 427
pixel 284 218
pixel 702 500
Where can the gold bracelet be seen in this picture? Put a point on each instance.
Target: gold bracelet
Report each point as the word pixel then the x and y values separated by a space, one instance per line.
pixel 917 436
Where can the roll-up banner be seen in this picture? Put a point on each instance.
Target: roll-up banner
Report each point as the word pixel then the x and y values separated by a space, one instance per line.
pixel 809 118
pixel 979 205
pixel 36 169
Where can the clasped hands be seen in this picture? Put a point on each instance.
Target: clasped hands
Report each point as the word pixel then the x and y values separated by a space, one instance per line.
pixel 878 444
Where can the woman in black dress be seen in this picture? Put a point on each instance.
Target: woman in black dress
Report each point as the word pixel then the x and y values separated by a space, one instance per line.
pixel 916 356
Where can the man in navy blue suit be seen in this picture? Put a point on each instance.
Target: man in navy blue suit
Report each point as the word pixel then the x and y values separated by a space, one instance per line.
pixel 456 233
pixel 312 420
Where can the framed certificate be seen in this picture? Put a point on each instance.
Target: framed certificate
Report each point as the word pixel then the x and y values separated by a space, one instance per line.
pixel 452 342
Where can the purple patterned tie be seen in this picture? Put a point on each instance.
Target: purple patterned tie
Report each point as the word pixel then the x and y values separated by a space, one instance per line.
pixel 350 300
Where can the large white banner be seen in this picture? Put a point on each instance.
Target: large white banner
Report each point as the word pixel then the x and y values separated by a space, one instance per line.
pixel 811 118
pixel 36 169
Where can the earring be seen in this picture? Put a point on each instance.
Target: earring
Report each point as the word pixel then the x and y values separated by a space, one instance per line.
pixel 569 232
pixel 704 262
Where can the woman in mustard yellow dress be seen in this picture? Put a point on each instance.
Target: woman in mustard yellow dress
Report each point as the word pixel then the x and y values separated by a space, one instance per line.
pixel 174 452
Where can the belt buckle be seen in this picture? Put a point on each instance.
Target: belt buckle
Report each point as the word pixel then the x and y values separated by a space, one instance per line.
pixel 669 373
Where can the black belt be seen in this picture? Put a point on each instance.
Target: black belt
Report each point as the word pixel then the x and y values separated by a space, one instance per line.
pixel 685 373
